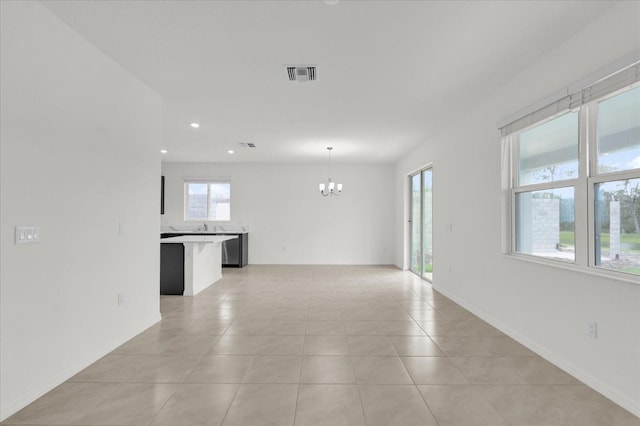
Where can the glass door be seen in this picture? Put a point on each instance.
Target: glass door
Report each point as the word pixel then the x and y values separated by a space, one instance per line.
pixel 427 224
pixel 421 220
pixel 416 234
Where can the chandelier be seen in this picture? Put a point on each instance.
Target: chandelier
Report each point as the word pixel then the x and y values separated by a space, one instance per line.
pixel 330 188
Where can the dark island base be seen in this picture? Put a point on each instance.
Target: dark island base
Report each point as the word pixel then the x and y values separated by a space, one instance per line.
pixel 172 269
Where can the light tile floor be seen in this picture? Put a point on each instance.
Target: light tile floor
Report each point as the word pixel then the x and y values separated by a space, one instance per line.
pixel 320 345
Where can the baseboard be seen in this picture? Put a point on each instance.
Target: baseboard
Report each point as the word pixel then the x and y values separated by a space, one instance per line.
pixel 609 392
pixel 47 384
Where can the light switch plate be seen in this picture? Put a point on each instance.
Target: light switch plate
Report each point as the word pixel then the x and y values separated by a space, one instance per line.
pixel 27 234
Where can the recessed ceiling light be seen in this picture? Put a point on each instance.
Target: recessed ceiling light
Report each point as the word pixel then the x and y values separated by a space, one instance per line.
pixel 194 125
pixel 163 151
pixel 231 151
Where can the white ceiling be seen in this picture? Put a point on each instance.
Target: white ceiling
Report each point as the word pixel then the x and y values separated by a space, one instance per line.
pixel 390 73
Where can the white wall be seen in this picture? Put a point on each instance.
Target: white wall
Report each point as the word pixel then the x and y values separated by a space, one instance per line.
pixel 289 221
pixel 79 155
pixel 544 307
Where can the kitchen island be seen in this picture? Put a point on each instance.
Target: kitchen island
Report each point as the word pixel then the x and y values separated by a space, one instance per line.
pixel 235 253
pixel 190 263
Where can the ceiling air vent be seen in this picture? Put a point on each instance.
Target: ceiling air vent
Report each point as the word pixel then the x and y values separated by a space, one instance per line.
pixel 302 73
pixel 247 144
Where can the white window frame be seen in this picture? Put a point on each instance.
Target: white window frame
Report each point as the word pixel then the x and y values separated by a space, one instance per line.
pixel 595 177
pixel 584 184
pixel 516 188
pixel 208 182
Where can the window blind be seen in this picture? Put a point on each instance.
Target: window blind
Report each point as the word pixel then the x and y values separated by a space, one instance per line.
pixel 570 99
pixel 220 179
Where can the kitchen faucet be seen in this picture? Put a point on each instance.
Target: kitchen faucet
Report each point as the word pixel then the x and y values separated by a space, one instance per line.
pixel 206 228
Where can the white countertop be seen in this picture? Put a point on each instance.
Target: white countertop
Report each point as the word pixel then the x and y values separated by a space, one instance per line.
pixel 198 239
pixel 210 231
pixel 213 229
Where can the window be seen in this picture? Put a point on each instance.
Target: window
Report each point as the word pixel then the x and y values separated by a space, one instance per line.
pixel 616 183
pixel 617 236
pixel 545 223
pixel 547 161
pixel 619 132
pixel 574 177
pixel 207 200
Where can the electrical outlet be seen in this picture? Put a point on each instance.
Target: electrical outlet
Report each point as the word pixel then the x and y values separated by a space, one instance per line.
pixel 592 329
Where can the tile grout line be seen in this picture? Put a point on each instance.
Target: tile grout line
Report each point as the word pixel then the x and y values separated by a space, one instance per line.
pixel 235 394
pixel 353 369
pixel 295 410
pixel 179 387
pixel 304 340
pixel 416 386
